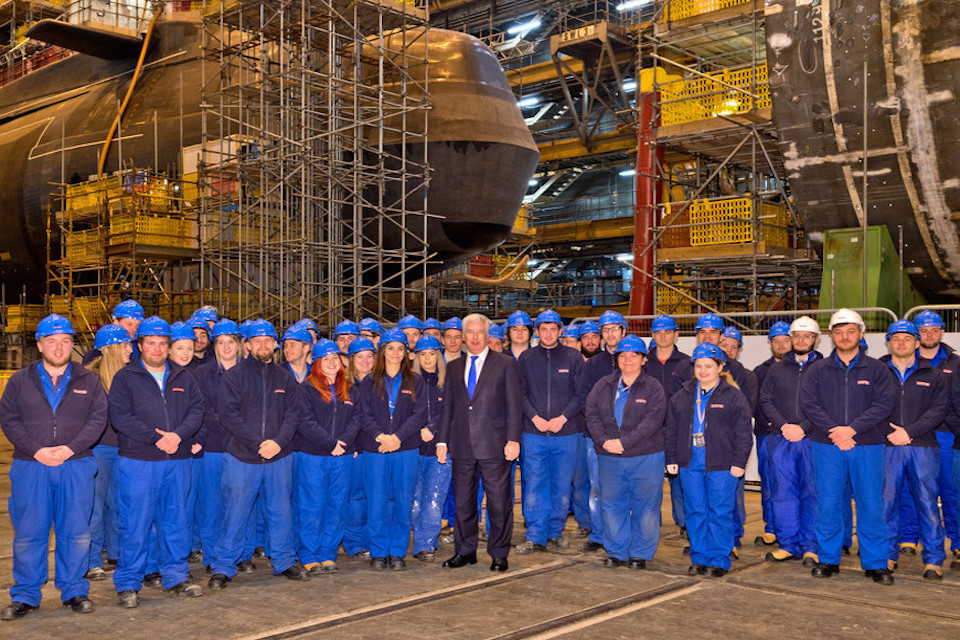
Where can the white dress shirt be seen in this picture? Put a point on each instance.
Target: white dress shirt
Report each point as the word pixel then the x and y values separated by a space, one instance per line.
pixel 481 358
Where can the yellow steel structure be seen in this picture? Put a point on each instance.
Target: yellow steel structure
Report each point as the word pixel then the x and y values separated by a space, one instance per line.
pixel 681 9
pixel 700 98
pixel 730 221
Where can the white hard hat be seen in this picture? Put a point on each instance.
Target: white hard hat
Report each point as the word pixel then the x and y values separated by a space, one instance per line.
pixel 847 316
pixel 804 323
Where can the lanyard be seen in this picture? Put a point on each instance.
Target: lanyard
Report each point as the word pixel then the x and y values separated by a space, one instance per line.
pixel 393 390
pixel 700 408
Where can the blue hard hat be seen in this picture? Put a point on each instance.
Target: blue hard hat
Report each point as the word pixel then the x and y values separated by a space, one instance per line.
pixel 225 327
pixel 453 323
pixel 427 342
pixel 778 329
pixel 110 334
pixel 902 326
pixel 299 333
pixel 128 309
pixel 496 331
pixel 181 331
pixel 571 331
pixel 393 335
pixel 306 323
pixel 548 316
pixel 929 318
pixel 409 322
pixel 612 317
pixel 196 322
pixel 708 350
pixel 633 344
pixel 153 326
pixel 709 321
pixel 346 328
pixel 207 313
pixel 863 345
pixel 589 327
pixel 371 325
pixel 519 319
pixel 432 323
pixel 261 327
pixel 53 325
pixel 663 322
pixel 733 332
pixel 245 328
pixel 361 344
pixel 324 348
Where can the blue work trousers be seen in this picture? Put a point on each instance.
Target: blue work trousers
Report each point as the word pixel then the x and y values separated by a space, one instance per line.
pixel 918 468
pixel 323 485
pixel 794 499
pixel 548 464
pixel 580 496
pixel 355 534
pixel 596 513
pixel 104 535
pixel 708 501
pixel 429 494
pixel 947 492
pixel 210 502
pixel 631 492
pixel 41 497
pixel 388 480
pixel 152 494
pixel 861 468
pixel 242 484
pixel 767 482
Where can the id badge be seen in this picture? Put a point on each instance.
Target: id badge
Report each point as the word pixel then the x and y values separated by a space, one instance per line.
pixel 698 440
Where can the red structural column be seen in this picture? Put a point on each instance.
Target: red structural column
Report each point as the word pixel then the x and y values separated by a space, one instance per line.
pixel 648 197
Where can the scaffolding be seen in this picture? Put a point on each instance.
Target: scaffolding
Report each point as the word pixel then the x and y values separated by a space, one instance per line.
pixel 728 232
pixel 313 171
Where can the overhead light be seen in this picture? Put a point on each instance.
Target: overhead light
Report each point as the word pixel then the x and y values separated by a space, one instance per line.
pixel 628 172
pixel 529 101
pixel 632 4
pixel 524 27
pixel 630 85
pixel 624 257
pixel 534 182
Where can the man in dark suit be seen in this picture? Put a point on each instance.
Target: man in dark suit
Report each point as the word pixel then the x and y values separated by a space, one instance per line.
pixel 480 427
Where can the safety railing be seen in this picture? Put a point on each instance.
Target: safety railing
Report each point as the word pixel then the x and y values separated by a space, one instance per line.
pixel 680 9
pixel 724 93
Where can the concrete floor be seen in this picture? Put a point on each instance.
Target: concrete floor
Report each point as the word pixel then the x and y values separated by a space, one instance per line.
pixel 547 595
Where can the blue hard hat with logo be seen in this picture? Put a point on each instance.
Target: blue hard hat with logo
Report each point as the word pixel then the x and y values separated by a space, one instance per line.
pixel 225 327
pixel 361 344
pixel 902 326
pixel 519 319
pixel 261 328
pixel 371 325
pixel 708 350
pixel 207 313
pixel 346 328
pixel 110 334
pixel 548 316
pixel 709 321
pixel 128 309
pixel 663 322
pixel 432 323
pixel 195 322
pixel 780 328
pixel 245 328
pixel 393 335
pixel 53 325
pixel 410 322
pixel 299 333
pixel 181 331
pixel 324 348
pixel 927 318
pixel 632 344
pixel 733 332
pixel 612 317
pixel 153 326
pixel 589 327
pixel 496 331
pixel 453 323
pixel 427 342
pixel 571 331
pixel 306 323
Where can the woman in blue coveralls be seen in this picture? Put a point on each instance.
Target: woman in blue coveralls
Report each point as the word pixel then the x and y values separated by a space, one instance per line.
pixel 326 426
pixel 708 440
pixel 360 357
pixel 393 404
pixel 624 413
pixel 433 478
pixel 115 346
